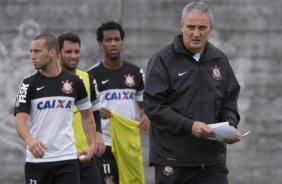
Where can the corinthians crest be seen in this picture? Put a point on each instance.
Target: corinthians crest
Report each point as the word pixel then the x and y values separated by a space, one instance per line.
pixel 67 87
pixel 129 80
pixel 216 74
pixel 168 170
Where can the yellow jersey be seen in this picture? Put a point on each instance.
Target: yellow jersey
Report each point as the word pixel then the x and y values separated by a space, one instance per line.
pixel 126 147
pixel 79 136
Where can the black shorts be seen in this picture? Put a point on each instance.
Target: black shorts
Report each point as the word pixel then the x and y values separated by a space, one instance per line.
pixel 216 174
pixel 89 172
pixel 61 172
pixel 108 167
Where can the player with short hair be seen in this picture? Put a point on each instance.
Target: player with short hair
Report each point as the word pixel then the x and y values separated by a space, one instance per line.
pixel 44 112
pixel 70 45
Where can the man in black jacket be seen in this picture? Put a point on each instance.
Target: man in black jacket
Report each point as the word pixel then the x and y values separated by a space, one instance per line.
pixel 190 84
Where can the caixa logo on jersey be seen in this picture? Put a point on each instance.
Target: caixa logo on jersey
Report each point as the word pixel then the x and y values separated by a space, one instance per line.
pixel 22 93
pixel 54 104
pixel 119 95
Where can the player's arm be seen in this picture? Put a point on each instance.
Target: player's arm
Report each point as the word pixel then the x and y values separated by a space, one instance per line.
pixel 100 146
pixel 88 124
pixel 144 120
pixel 84 106
pixel 94 98
pixel 36 147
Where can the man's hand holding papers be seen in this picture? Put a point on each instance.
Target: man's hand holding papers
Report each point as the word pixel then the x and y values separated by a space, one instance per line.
pixel 224 132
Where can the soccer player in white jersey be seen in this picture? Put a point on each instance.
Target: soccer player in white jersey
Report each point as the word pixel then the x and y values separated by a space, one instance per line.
pixel 120 86
pixel 44 111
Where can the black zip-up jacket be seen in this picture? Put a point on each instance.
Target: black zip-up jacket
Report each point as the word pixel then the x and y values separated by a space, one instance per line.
pixel 178 91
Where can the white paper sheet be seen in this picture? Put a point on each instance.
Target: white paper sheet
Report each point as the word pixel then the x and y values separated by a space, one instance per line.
pixel 223 131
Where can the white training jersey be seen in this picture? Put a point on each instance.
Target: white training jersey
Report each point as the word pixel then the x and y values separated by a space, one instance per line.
pixel 49 102
pixel 119 90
